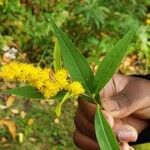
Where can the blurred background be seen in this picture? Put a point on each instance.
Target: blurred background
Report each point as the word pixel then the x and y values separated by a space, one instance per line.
pixel 26 35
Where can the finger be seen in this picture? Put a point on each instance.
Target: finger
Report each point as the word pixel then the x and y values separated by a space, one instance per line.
pixel 143 113
pixel 138 124
pixel 83 142
pixel 114 86
pixel 108 117
pixel 126 129
pixel 88 109
pixel 129 100
pixel 125 146
pixel 86 127
pixel 83 125
pixel 125 132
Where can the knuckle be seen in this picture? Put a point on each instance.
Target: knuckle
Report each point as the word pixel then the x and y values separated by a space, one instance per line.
pixel 126 101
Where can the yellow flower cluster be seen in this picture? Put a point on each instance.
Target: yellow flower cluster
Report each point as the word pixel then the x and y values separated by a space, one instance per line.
pixel 76 88
pixel 45 80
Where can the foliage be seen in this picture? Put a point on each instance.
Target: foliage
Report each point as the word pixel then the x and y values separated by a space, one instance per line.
pixel 94 25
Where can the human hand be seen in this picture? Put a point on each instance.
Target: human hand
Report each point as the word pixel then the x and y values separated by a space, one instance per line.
pixel 126 99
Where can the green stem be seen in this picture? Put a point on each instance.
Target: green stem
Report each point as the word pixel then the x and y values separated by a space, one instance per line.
pixel 89 99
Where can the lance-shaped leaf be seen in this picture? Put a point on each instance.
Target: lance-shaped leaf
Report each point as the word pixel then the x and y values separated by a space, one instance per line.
pixel 111 61
pixel 31 92
pixel 104 134
pixel 26 91
pixel 57 57
pixel 73 60
pixel 59 106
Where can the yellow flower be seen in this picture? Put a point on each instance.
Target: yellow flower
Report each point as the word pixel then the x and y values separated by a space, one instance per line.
pixel 76 88
pixel 45 80
pixel 42 78
pixel 61 77
pixel 9 71
pixel 28 73
pixel 51 90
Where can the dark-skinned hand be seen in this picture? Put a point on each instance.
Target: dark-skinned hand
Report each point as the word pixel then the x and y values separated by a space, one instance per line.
pixel 126 106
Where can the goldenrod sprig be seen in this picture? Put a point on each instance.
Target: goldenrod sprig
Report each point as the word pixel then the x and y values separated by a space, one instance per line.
pixel 45 80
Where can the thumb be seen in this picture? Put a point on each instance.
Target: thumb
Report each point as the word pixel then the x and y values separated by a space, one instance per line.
pixel 134 97
pixel 118 105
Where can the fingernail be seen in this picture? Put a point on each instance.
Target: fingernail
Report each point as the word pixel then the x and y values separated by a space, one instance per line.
pixel 125 135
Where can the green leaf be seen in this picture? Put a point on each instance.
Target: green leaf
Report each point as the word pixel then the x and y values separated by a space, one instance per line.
pixel 112 60
pixel 57 57
pixel 26 91
pixel 31 92
pixel 59 106
pixel 104 134
pixel 74 61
